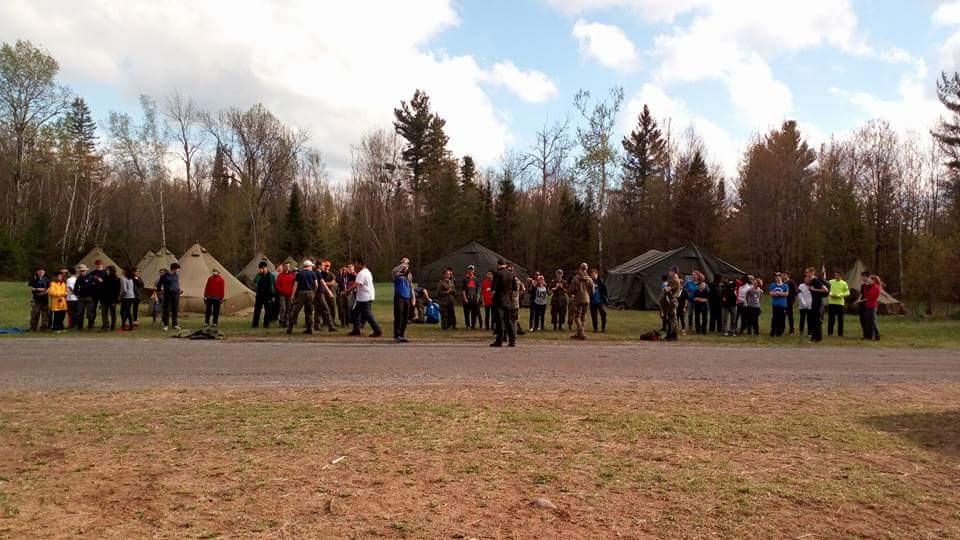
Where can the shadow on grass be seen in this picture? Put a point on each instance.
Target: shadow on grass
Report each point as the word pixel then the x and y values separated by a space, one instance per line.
pixel 938 431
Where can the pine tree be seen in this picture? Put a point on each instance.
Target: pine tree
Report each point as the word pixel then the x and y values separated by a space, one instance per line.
pixel 423 131
pixel 297 236
pixel 644 150
pixel 506 220
pixel 947 136
pixel 468 171
pixel 696 211
pixel 81 127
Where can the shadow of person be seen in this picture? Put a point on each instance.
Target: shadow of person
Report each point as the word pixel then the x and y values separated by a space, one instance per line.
pixel 938 431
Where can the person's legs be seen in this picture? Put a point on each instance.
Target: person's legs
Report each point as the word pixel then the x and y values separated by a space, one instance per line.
pixel 789 315
pixel 704 315
pixel 174 301
pixel 135 311
pixel 831 318
pixel 594 313
pixel 398 313
pixel 58 318
pixel 815 321
pixel 839 321
pixel 125 317
pixel 34 314
pixel 103 315
pixel 466 315
pixel 208 311
pixel 216 311
pixel 367 313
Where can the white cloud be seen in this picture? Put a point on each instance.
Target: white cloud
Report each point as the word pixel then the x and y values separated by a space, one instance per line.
pixel 605 43
pixel 720 143
pixel 648 10
pixel 532 86
pixel 948 14
pixel 915 108
pixel 336 68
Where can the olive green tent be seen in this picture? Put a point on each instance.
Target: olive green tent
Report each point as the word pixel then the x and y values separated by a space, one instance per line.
pixel 196 265
pixel 97 254
pixel 150 266
pixel 250 270
pixel 886 304
pixel 635 284
pixel 475 253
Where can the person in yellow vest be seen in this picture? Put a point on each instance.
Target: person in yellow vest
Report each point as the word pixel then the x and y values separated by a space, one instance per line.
pixel 57 293
pixel 839 291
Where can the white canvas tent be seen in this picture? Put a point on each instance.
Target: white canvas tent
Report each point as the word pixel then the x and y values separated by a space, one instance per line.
pixel 196 264
pixel 150 266
pixel 252 268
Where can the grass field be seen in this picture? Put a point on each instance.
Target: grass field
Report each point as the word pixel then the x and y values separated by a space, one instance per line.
pixel 621 326
pixel 654 458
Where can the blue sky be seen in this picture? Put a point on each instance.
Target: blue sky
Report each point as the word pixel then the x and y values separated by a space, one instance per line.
pixel 498 69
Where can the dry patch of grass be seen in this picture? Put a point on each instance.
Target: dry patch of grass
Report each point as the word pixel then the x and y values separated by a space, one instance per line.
pixel 649 459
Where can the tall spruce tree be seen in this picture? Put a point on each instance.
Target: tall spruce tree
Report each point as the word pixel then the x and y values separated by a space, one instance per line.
pixel 947 136
pixel 297 237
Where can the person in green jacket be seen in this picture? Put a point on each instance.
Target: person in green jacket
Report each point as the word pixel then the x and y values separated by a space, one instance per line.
pixel 264 285
pixel 839 291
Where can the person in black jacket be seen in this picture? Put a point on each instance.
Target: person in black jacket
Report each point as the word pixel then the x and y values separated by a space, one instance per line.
pixel 716 307
pixel 86 289
pixel 504 283
pixel 109 294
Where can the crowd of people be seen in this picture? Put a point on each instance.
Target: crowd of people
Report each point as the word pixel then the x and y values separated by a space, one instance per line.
pixel 728 306
pixel 732 306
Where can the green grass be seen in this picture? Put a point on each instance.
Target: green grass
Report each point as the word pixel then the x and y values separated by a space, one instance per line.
pixel 624 325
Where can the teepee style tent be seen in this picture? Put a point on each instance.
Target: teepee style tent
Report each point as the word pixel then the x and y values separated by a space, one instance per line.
pixel 145 260
pixel 292 262
pixel 475 253
pixel 97 254
pixel 635 284
pixel 196 264
pixel 886 304
pixel 150 266
pixel 250 270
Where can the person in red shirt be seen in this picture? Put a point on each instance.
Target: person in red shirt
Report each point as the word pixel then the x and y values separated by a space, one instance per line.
pixel 487 299
pixel 284 285
pixel 870 301
pixel 213 293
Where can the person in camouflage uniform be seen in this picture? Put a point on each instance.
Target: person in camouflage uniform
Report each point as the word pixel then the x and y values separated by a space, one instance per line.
pixel 447 297
pixel 671 296
pixel 558 301
pixel 581 287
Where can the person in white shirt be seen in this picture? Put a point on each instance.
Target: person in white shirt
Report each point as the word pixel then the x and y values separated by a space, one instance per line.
pixel 363 311
pixel 71 298
pixel 805 301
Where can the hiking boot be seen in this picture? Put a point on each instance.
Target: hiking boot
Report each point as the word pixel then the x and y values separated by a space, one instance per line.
pixel 289 329
pixel 331 329
pixel 353 333
pixel 402 340
pixel 376 334
pixel 512 344
pixel 497 344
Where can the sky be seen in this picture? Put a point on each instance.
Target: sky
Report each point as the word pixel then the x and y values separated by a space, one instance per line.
pixel 497 70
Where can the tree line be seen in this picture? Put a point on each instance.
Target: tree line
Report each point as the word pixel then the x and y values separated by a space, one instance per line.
pixel 242 181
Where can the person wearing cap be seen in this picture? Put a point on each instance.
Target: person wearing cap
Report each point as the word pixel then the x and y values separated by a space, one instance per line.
pixel 470 294
pixel 304 290
pixel 39 301
pixel 446 297
pixel 503 284
pixel 403 299
pixel 213 293
pixel 85 288
pixel 558 301
pixel 265 289
pixel 581 289
pixel 366 294
pixel 168 288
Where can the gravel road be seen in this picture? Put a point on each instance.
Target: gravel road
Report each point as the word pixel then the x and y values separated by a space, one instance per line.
pixel 40 364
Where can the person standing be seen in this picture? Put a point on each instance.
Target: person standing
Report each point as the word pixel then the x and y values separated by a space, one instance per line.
pixel 127 295
pixel 487 293
pixel 818 291
pixel 363 312
pixel 503 284
pixel 284 287
pixel 671 297
pixel 85 288
pixel 742 311
pixel 754 293
pixel 57 301
pixel 792 288
pixel 109 296
pixel 329 295
pixel 839 291
pixel 728 301
pixel 598 301
pixel 72 302
pixel 138 286
pixel 214 290
pixel 403 300
pixel 661 303
pixel 304 290
pixel 701 307
pixel 168 289
pixel 344 307
pixel 446 297
pixel 39 300
pixel 716 305
pixel 870 302
pixel 470 294
pixel 779 293
pixel 558 301
pixel 690 286
pixel 539 304
pixel 264 285
pixel 805 303
pixel 515 297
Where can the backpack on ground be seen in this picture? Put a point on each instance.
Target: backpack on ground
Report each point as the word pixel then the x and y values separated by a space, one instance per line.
pixel 431 314
pixel 653 335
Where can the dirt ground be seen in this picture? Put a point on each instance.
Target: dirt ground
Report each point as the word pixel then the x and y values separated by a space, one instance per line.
pixel 219 439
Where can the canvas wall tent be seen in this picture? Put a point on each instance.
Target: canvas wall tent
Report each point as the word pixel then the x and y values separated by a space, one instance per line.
pixel 97 254
pixel 887 304
pixel 635 284
pixel 150 266
pixel 250 270
pixel 292 262
pixel 196 264
pixel 473 253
